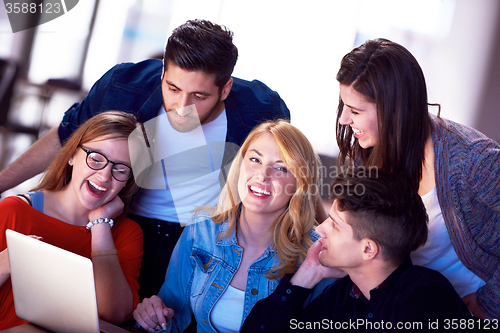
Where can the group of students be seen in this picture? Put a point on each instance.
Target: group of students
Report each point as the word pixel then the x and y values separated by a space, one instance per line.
pixel 415 243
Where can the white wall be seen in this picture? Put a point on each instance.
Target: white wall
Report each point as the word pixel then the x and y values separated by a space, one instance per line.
pixel 457 65
pixel 295 47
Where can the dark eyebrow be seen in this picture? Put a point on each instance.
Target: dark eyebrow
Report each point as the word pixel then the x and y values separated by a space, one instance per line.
pixel 171 84
pixel 352 107
pixel 333 220
pixel 100 152
pixel 195 92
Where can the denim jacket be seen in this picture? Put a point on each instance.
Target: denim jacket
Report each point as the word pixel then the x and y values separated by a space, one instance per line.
pixel 201 268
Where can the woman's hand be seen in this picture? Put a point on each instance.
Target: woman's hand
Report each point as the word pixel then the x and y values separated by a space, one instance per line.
pixel 152 314
pixel 110 209
pixel 471 302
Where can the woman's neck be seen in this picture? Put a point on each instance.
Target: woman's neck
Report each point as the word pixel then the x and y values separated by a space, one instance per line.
pixel 64 206
pixel 254 231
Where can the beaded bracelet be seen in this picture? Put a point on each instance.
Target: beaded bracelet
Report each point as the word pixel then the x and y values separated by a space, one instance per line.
pixel 100 220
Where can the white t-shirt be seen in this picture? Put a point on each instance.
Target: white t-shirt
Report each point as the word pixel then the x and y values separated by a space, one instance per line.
pixel 185 174
pixel 438 252
pixel 227 313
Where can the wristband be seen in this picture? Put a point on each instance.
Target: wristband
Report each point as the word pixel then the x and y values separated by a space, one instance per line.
pixel 100 220
pixel 103 253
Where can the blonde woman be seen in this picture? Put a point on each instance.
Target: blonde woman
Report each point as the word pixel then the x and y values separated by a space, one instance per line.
pixel 260 230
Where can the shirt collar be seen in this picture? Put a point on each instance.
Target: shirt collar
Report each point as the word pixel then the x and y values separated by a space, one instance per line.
pixel 231 240
pixel 386 285
pixel 392 279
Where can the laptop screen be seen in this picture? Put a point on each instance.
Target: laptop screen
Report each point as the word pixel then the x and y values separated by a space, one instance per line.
pixel 53 288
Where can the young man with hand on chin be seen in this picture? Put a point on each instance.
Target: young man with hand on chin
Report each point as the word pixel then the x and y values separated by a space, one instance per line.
pixel 372 227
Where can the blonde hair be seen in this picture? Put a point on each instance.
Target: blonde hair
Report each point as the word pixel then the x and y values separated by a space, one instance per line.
pixel 292 228
pixel 109 124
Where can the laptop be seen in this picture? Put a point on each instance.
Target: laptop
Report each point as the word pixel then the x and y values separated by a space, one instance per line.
pixel 54 288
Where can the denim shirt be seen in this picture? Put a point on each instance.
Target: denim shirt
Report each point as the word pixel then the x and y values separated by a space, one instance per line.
pixel 201 268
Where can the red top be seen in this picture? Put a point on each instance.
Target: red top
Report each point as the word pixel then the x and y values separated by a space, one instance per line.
pixel 19 216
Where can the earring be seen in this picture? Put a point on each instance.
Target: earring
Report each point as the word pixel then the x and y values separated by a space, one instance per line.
pixel 70 162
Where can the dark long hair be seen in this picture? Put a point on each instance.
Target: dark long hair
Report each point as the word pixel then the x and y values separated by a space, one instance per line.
pixel 387 74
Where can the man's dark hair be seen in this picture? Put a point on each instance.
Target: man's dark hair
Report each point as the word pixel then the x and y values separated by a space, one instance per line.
pixel 384 208
pixel 200 45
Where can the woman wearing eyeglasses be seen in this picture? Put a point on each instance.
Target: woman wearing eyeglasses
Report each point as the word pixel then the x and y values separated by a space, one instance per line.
pixel 79 206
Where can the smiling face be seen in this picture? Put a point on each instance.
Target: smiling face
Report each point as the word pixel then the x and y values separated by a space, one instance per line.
pixel 339 247
pixel 361 115
pixel 265 185
pixel 93 188
pixel 191 98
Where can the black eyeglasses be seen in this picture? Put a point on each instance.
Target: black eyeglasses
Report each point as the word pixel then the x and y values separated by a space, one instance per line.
pixel 97 161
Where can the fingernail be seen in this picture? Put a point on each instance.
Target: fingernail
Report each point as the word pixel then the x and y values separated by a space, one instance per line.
pixel 164 326
pixel 151 330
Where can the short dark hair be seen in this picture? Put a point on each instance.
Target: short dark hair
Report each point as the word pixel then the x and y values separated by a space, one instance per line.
pixel 388 75
pixel 200 45
pixel 383 208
